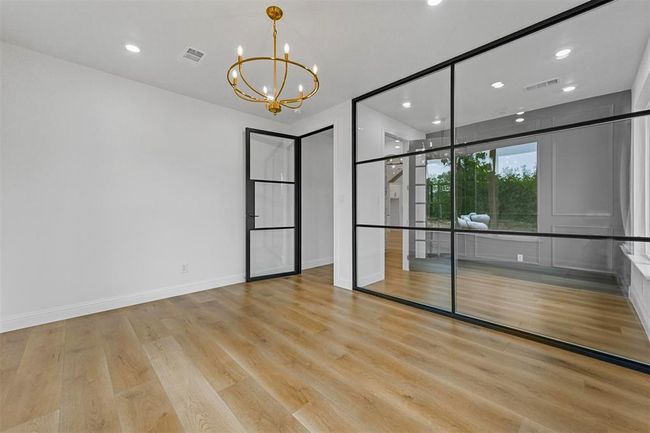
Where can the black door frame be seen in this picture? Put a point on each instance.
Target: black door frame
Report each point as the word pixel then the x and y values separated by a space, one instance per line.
pixel 250 200
pixel 250 204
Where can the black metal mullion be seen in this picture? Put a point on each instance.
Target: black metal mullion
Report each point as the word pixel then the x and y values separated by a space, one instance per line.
pixel 297 194
pixel 354 195
pixel 452 187
pixel 250 191
pixel 284 182
pixel 383 226
pixel 551 129
pixel 256 229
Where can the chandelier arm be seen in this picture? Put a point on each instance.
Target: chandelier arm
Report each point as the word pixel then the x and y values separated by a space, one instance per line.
pixel 302 98
pixel 287 103
pixel 241 75
pixel 284 79
pixel 293 103
pixel 245 96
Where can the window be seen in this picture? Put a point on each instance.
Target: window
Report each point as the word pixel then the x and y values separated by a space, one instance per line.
pixel 497 188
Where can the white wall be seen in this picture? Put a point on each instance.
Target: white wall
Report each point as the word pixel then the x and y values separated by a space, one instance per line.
pixel 317 200
pixel 109 186
pixel 340 117
pixel 371 181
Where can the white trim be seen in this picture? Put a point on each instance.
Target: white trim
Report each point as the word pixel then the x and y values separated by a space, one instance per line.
pixel 370 279
pixel 605 230
pixel 640 269
pixel 308 264
pixel 554 187
pixel 39 317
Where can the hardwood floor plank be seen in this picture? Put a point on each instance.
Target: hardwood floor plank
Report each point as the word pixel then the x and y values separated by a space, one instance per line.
pixel 197 404
pixel 48 423
pixel 216 365
pixel 257 410
pixel 146 408
pixel 127 362
pixel 88 403
pixel 35 389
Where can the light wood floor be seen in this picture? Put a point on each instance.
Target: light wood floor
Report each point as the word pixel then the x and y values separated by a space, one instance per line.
pixel 591 318
pixel 298 355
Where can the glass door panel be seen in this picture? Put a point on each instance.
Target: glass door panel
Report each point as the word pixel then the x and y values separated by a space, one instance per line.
pixel 272 204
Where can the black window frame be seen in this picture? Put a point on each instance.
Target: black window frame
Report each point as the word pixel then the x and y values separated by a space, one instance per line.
pixel 451 63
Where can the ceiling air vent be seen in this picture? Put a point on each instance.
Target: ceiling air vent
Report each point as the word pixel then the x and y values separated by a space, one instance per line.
pixel 541 84
pixel 193 54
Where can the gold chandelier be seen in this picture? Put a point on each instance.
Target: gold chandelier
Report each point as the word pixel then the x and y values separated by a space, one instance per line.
pixel 272 100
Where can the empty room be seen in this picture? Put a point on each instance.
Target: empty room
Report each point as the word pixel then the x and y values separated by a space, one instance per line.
pixel 325 216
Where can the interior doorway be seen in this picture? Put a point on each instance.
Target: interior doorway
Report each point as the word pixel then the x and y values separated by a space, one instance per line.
pixel 317 204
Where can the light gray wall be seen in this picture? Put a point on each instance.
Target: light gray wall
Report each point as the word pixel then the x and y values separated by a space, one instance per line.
pixel 583 178
pixel 317 199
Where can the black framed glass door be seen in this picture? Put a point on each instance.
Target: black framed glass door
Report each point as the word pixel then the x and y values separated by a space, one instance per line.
pixel 272 204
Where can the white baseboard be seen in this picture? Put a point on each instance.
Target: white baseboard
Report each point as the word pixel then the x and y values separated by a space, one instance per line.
pixel 308 264
pixel 638 289
pixel 24 320
pixel 366 280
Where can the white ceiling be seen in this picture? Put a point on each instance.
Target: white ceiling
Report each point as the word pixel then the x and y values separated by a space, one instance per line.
pixel 358 45
pixel 607 45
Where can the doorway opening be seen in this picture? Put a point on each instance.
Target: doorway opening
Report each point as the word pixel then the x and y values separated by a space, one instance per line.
pixel 317 203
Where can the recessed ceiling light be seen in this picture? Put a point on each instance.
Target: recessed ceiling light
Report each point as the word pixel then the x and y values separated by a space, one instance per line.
pixel 406 104
pixel 397 147
pixel 396 141
pixel 437 122
pixel 563 54
pixel 434 2
pixel 519 119
pixel 520 113
pixel 497 85
pixel 132 48
pixel 568 89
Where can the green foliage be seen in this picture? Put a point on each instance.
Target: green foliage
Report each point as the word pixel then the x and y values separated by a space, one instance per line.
pixel 514 191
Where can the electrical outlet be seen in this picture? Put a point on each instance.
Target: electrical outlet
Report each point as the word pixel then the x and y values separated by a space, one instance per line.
pixel 520 257
pixel 185 269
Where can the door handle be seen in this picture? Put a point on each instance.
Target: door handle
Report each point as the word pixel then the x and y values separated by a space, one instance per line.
pixel 253 216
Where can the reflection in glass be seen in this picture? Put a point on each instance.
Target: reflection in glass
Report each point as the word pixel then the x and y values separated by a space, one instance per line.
pixel 272 252
pixel 541 90
pixel 274 204
pixel 271 158
pixel 409 264
pixel 422 124
pixel 410 191
pixel 496 188
pixel 569 289
pixel 576 180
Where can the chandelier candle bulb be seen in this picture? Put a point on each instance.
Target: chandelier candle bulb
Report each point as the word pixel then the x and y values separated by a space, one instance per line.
pixel 277 99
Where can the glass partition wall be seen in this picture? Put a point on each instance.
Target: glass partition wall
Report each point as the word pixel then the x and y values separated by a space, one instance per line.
pixel 508 187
